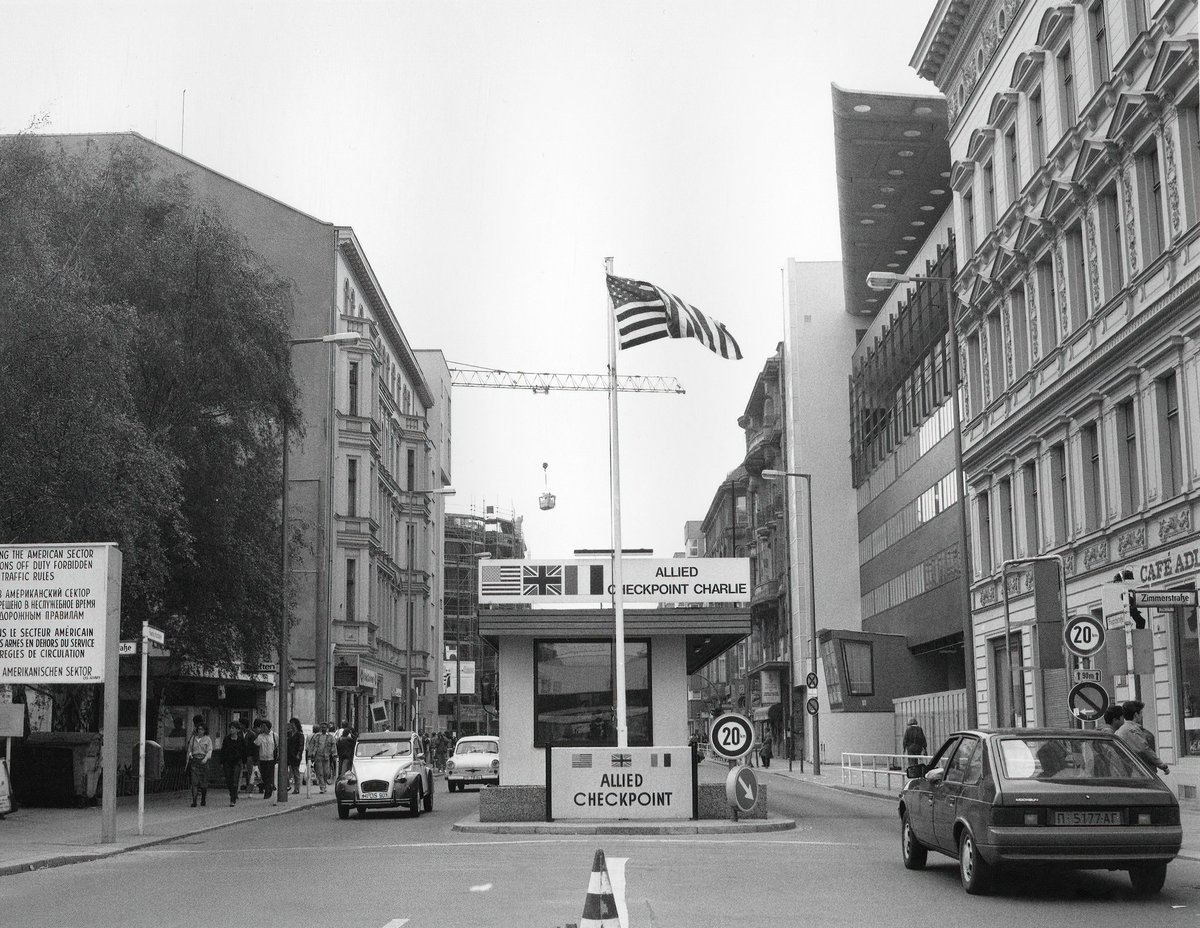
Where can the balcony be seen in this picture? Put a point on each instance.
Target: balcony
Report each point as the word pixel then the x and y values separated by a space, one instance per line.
pixel 765 592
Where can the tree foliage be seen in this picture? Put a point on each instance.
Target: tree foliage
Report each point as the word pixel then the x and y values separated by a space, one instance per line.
pixel 145 374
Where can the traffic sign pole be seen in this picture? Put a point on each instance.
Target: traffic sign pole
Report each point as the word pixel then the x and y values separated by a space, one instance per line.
pixel 142 730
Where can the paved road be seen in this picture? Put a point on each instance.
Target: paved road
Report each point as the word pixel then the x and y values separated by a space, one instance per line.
pixel 839 867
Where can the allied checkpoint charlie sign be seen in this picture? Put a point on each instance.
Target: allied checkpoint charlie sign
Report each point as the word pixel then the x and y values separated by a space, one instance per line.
pixel 643 580
pixel 609 782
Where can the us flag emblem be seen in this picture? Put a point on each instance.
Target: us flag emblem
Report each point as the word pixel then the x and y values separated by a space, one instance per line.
pixel 622 760
pixel 500 580
pixel 581 760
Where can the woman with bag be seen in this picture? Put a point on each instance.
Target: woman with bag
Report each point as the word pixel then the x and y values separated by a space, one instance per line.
pixel 766 752
pixel 200 749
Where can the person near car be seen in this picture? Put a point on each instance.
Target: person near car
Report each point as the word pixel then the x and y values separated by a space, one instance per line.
pixel 234 750
pixel 766 752
pixel 345 748
pixel 914 743
pixel 1138 738
pixel 321 747
pixel 199 753
pixel 268 753
pixel 441 747
pixel 295 752
pixel 1113 717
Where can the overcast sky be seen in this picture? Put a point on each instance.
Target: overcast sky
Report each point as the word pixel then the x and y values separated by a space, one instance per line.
pixel 489 156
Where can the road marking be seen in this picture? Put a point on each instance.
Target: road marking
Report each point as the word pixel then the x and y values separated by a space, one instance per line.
pixel 396 923
pixel 481 888
pixel 616 876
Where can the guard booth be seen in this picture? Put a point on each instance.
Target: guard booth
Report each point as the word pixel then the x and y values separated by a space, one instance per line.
pixel 556 663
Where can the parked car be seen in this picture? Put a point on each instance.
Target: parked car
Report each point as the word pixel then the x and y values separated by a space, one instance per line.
pixel 389 769
pixel 1039 797
pixel 475 761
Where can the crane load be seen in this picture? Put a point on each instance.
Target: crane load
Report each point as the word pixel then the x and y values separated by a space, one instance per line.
pixel 547 499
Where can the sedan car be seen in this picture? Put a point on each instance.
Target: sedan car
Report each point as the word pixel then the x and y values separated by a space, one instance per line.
pixel 388 770
pixel 476 761
pixel 1039 797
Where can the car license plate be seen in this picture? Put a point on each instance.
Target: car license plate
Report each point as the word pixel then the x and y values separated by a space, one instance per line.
pixel 376 795
pixel 472 776
pixel 1099 817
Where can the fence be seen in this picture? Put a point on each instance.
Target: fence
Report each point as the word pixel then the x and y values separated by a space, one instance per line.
pixel 878 771
pixel 938 714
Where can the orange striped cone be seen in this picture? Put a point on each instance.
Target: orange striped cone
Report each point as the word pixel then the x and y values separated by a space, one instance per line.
pixel 600 906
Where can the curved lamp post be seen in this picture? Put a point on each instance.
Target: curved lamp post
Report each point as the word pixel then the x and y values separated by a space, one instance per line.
pixel 886 280
pixel 285 623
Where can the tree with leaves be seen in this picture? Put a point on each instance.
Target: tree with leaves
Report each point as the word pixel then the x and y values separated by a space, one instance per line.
pixel 145 379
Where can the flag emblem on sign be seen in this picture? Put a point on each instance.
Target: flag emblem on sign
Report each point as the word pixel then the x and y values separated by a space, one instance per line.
pixel 581 760
pixel 542 581
pixel 497 580
pixel 666 760
pixel 586 580
pixel 646 313
pixel 622 760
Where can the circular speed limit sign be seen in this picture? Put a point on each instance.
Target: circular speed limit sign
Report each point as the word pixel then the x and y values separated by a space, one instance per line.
pixel 731 736
pixel 1083 635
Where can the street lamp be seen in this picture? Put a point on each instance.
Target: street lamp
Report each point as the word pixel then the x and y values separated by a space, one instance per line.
pixel 285 621
pixel 408 610
pixel 812 621
pixel 886 280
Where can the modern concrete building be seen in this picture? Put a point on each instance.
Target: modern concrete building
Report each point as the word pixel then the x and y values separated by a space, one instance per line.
pixel 365 568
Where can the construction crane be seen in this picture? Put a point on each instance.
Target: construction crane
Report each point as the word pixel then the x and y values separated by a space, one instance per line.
pixel 462 375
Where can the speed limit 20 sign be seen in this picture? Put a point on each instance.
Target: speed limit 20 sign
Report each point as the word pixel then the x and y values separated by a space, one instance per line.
pixel 731 736
pixel 1084 636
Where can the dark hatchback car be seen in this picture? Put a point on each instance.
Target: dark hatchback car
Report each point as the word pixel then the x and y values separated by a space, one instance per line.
pixel 1039 797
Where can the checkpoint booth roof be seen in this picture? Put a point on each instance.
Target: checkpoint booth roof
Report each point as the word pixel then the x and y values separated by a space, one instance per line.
pixel 554 634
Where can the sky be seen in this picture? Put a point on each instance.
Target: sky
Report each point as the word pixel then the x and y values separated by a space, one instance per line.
pixel 489 156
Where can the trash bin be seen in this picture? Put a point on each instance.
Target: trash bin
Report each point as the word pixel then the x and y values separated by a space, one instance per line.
pixel 154 761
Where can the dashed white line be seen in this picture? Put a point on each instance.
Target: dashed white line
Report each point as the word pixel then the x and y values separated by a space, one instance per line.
pixel 396 923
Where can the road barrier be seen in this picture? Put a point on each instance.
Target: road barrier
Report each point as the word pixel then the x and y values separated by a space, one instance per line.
pixel 878 771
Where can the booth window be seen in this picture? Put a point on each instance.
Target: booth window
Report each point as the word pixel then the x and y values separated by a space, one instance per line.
pixel 573 701
pixel 860 671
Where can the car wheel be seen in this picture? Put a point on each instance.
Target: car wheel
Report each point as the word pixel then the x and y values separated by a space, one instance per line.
pixel 414 803
pixel 362 813
pixel 449 787
pixel 913 851
pixel 428 797
pixel 975 872
pixel 1148 879
pixel 343 811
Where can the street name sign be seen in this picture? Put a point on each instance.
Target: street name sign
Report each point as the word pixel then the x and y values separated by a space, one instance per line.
pixel 1084 635
pixel 741 789
pixel 731 736
pixel 154 634
pixel 1087 701
pixel 1164 599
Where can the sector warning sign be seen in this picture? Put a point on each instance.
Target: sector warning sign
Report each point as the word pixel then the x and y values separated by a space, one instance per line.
pixel 53 613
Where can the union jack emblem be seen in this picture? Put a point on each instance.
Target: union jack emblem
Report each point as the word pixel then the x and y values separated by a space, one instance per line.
pixel 542 581
pixel 622 760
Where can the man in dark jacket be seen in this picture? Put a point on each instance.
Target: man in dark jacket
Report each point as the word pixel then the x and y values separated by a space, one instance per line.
pixel 234 751
pixel 914 741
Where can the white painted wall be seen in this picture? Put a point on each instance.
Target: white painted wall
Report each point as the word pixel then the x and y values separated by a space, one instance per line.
pixel 523 764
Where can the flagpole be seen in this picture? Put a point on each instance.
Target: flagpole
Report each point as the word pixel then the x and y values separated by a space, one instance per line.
pixel 615 495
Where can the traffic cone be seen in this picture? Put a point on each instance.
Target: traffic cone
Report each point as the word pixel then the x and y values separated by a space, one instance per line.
pixel 600 906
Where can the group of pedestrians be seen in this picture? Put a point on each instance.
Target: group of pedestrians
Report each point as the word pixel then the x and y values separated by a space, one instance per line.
pixel 242 752
pixel 1125 721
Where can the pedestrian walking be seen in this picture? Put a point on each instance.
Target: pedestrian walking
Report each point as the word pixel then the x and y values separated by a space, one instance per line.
pixel 268 753
pixel 295 753
pixel 1138 738
pixel 321 750
pixel 1114 716
pixel 199 753
pixel 914 742
pixel 234 751
pixel 345 748
pixel 766 752
pixel 251 767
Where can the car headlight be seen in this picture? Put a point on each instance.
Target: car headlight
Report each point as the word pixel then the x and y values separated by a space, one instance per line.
pixel 496 764
pixel 349 779
pixel 449 766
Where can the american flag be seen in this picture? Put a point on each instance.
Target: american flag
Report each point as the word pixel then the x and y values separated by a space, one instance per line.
pixel 500 580
pixel 622 760
pixel 581 760
pixel 646 313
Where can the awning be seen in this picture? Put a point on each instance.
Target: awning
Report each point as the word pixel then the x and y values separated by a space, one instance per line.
pixel 771 713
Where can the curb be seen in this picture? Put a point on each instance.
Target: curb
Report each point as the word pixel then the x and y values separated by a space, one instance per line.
pixel 472 825
pixel 65 860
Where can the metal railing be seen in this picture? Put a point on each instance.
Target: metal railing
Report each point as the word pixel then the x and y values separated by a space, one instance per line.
pixel 878 771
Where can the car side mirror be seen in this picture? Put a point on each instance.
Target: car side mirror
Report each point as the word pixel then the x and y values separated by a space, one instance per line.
pixel 912 771
pixel 936 775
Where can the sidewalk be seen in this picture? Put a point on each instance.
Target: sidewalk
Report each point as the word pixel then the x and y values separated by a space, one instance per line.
pixel 831 778
pixel 36 838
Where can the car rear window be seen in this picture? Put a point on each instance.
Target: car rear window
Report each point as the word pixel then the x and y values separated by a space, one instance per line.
pixel 1066 758
pixel 477 747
